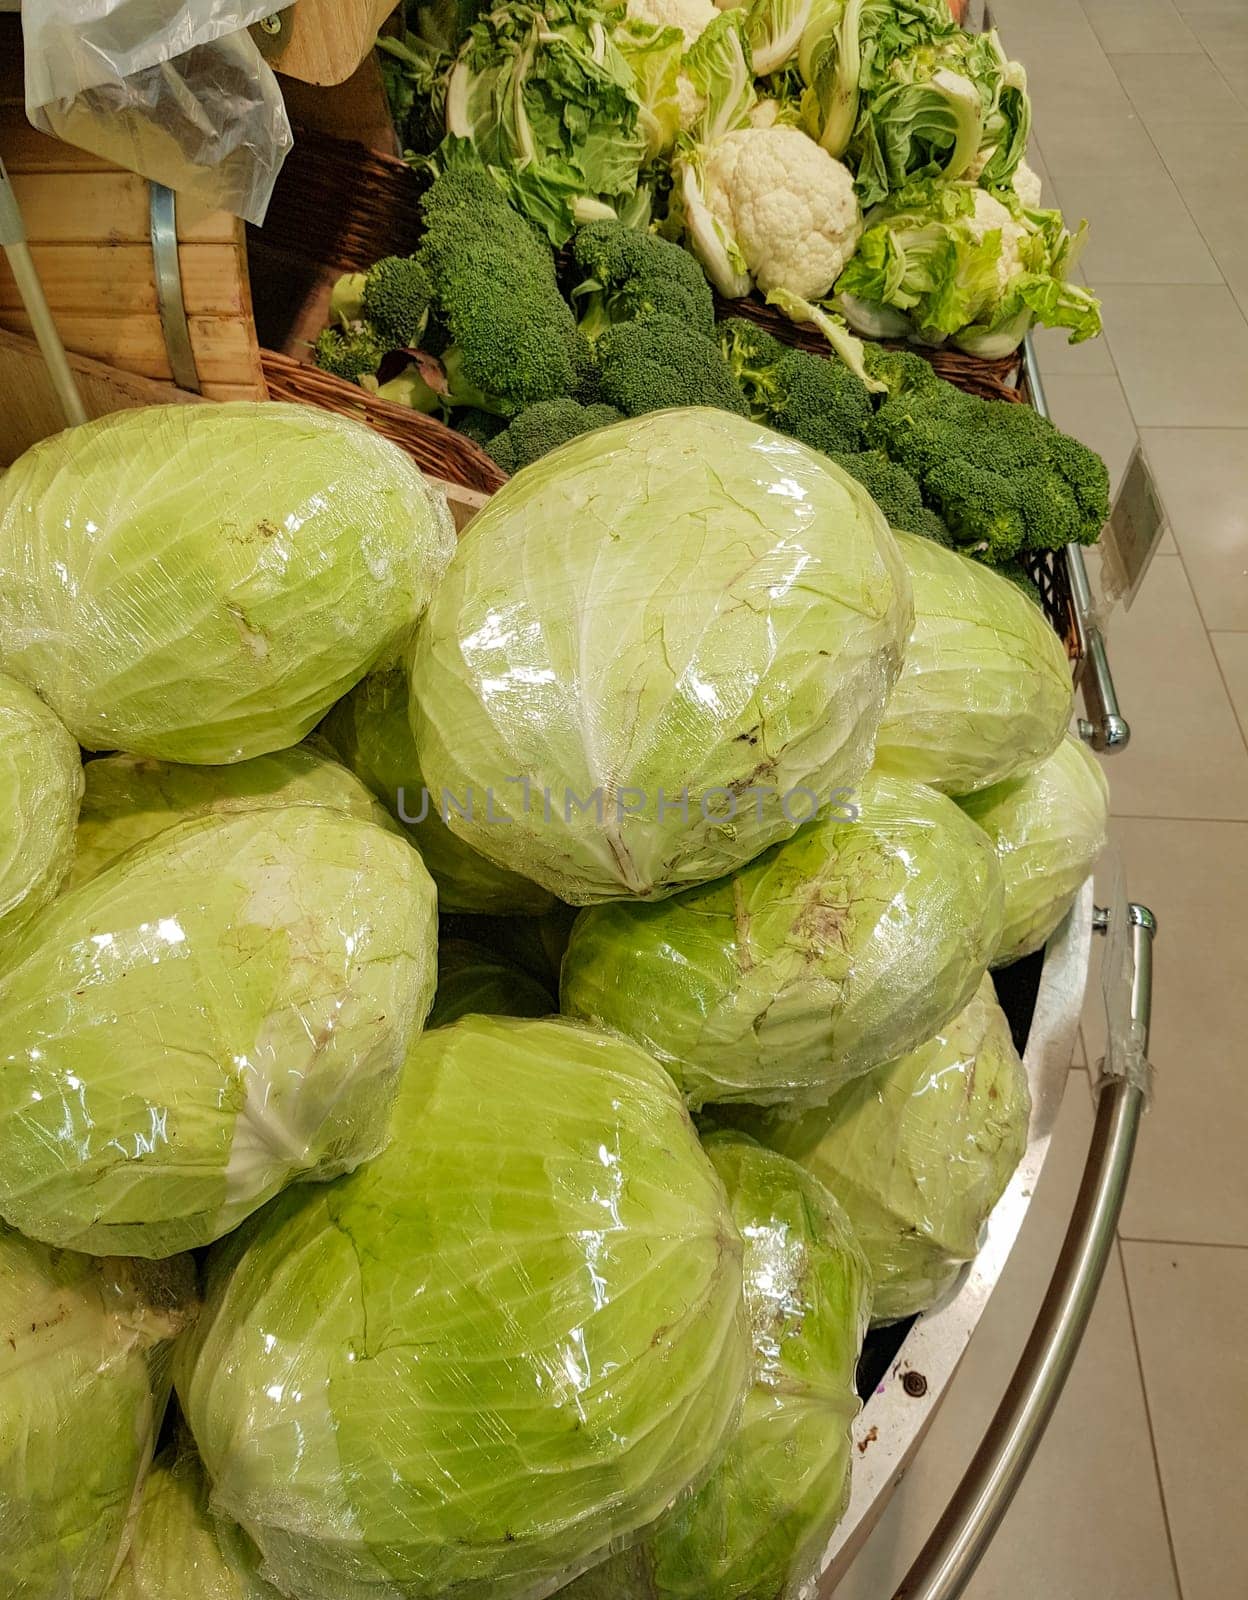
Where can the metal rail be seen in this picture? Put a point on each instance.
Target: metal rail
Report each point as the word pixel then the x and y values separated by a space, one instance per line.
pixel 957 1544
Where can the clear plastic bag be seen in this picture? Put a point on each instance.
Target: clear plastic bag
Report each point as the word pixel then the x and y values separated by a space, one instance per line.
pixel 177 93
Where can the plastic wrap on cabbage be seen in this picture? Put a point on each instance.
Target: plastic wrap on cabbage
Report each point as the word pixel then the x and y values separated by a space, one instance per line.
pixel 179 1550
pixel 514 1338
pixel 758 1526
pixel 647 643
pixel 40 787
pixel 1049 827
pixel 473 979
pixel 854 941
pixel 84 1376
pixel 128 799
pixel 918 1152
pixel 201 583
pixel 221 1011
pixel 986 689
pixel 371 731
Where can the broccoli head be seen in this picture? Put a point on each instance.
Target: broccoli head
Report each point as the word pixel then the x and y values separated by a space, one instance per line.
pixel 350 353
pixel 627 274
pixel 819 401
pixel 902 370
pixel 892 488
pixel 493 282
pixel 660 362
pixel 395 300
pixel 541 427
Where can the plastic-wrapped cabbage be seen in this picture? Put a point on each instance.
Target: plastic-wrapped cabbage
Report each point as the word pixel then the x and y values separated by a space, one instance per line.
pixel 371 731
pixel 831 953
pixel 179 1550
pixel 128 799
pixel 40 787
pixel 646 643
pixel 83 1381
pixel 221 1011
pixel 1049 827
pixel 919 1151
pixel 473 979
pixel 757 1527
pixel 201 583
pixel 986 689
pixel 516 1336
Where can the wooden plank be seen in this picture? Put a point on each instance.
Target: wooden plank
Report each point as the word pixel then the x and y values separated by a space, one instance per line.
pixel 69 208
pixel 225 350
pixel 329 38
pixel 25 149
pixel 115 279
pixel 30 411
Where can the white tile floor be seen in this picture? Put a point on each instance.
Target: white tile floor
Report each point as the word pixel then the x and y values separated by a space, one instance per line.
pixel 1141 124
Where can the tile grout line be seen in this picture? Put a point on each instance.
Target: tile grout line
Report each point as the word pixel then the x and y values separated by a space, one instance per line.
pixel 1148 1417
pixel 1181 1244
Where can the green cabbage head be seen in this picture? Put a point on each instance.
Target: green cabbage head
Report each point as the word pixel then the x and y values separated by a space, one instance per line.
pixel 84 1376
pixel 515 1337
pixel 1049 826
pixel 986 690
pixel 758 1526
pixel 684 601
pixel 201 583
pixel 834 952
pixel 128 799
pixel 918 1152
pixel 221 1011
pixel 40 787
pixel 371 731
pixel 473 979
pixel 180 1551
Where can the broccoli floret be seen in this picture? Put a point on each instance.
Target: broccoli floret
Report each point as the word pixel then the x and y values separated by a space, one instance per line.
pixel 902 370
pixel 349 353
pixel 931 525
pixel 809 397
pixel 749 350
pixel 892 488
pixel 1003 477
pixel 628 274
pixel 395 300
pixel 660 362
pixel 540 428
pixel 1022 579
pixel 493 280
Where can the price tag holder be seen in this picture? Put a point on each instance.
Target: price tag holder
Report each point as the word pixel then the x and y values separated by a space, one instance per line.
pixel 1130 538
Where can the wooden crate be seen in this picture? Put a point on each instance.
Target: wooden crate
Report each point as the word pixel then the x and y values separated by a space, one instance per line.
pixel 89 227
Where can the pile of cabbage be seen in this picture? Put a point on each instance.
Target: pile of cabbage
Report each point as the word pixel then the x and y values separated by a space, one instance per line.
pixel 375 914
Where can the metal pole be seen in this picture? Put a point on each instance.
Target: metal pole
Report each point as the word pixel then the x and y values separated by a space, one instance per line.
pixel 13 240
pixel 949 1558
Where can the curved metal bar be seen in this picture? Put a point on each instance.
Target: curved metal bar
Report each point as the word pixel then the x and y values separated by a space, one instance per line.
pixel 1104 727
pixel 164 235
pixel 949 1558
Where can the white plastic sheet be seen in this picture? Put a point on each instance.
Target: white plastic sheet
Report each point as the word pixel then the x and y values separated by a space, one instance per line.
pixel 175 91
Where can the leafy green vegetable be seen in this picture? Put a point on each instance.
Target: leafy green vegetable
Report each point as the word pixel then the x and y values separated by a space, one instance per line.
pixel 473 979
pixel 371 732
pixel 180 1550
pixel 84 1350
pixel 201 583
pixel 541 428
pixel 758 1526
pixel 835 951
pixel 229 1004
pixel 40 787
pixel 657 638
pixel 1048 826
pixel 653 54
pixel 918 1152
pixel 550 106
pixel 506 1342
pixel 129 799
pixel 986 689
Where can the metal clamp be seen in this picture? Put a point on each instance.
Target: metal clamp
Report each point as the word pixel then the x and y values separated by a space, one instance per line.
pixel 947 1561
pixel 1104 727
pixel 169 301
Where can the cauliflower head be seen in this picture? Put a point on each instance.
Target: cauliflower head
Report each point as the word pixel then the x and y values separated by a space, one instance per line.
pixel 788 205
pixel 989 214
pixel 690 16
pixel 1027 186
